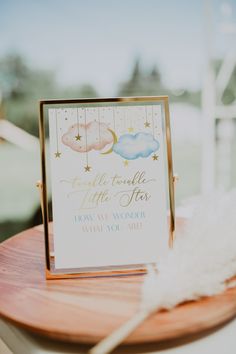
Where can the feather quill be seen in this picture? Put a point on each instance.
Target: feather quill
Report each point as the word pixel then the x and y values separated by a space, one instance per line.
pixel 203 259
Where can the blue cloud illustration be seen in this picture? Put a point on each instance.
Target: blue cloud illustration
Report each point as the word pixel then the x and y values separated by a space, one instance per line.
pixel 131 147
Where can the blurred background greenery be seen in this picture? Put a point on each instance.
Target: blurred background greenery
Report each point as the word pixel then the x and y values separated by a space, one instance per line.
pixel 23 83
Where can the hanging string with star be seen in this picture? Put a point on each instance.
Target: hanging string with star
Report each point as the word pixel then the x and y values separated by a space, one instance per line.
pixel 146 124
pixel 87 167
pixel 154 156
pixel 153 130
pixel 78 136
pixel 130 128
pixel 57 153
pixel 125 118
pixel 126 109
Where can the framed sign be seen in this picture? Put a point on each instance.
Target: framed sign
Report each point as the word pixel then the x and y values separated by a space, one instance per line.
pixel 108 166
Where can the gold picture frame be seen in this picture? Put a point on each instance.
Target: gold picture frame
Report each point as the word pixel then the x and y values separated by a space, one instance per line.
pixel 51 272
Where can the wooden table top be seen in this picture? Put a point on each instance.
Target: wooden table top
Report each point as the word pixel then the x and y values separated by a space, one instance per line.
pixel 86 310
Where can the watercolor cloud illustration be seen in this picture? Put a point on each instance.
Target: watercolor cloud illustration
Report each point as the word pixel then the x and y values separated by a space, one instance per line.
pixel 84 138
pixel 131 147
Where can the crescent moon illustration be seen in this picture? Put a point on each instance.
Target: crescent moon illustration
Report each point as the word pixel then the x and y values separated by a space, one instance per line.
pixel 114 142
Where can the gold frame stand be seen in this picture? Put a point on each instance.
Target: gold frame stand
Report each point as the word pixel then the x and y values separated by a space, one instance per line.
pixel 51 273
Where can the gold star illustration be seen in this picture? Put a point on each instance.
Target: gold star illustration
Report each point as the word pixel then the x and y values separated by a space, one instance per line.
pixel 126 163
pixel 87 168
pixel 130 129
pixel 155 157
pixel 57 154
pixel 147 125
pixel 78 137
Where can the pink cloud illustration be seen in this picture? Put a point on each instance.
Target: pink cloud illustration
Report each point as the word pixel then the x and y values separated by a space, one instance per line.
pixel 84 138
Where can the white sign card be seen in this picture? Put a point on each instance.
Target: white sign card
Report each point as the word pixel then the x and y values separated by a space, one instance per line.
pixel 109 184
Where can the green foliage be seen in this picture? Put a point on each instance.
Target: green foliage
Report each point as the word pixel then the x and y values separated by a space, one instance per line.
pixel 229 95
pixel 150 83
pixel 22 87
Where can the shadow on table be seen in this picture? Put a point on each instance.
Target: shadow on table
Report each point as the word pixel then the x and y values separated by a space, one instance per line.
pixel 64 347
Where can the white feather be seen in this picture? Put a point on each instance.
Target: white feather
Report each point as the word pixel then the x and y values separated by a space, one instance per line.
pixel 203 257
pixel 202 260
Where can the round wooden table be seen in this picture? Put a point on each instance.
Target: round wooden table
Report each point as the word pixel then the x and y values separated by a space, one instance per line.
pixel 87 310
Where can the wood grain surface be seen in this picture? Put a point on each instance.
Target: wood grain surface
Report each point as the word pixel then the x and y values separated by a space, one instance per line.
pixel 86 310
